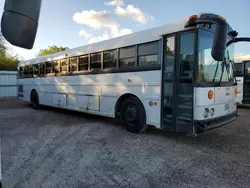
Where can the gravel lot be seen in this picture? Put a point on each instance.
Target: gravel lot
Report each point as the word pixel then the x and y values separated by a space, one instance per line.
pixel 57 148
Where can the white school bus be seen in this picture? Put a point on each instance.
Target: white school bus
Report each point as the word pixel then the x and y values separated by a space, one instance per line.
pixel 169 77
pixel 242 74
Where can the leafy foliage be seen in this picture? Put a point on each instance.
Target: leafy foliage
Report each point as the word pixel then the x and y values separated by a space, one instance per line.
pixel 51 50
pixel 7 61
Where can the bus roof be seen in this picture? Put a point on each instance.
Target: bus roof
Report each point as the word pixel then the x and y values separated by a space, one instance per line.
pixel 123 41
pixel 139 37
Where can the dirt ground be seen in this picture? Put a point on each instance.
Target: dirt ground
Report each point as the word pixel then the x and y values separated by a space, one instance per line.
pixel 57 148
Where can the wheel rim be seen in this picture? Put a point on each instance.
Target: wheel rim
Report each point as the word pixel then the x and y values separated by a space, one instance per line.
pixel 130 115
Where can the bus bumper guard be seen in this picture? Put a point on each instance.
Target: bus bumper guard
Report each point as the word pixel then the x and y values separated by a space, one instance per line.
pixel 210 124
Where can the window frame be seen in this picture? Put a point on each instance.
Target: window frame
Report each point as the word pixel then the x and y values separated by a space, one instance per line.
pixel 44 70
pixel 58 65
pixel 21 71
pixel 46 67
pixel 77 62
pixel 88 63
pixel 128 57
pixel 34 72
pixel 67 65
pixel 31 70
pixel 96 62
pixel 115 59
pixel 157 53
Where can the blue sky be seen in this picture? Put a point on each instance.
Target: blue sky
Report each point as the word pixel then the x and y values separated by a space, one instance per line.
pixel 98 21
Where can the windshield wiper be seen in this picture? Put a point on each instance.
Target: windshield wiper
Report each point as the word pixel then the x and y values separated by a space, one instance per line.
pixel 216 70
pixel 228 66
pixel 222 72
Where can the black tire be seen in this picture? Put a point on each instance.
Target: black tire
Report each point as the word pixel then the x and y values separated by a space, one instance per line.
pixel 35 101
pixel 133 115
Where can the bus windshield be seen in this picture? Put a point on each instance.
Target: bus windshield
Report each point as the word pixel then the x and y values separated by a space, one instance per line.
pixel 210 70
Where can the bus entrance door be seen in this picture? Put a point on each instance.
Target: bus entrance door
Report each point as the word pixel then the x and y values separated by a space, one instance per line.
pixel 177 84
pixel 246 85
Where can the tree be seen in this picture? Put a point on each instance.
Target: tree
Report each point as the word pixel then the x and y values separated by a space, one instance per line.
pixel 51 50
pixel 169 51
pixel 7 61
pixel 2 46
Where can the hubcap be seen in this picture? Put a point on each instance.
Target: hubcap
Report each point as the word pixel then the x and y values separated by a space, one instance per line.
pixel 130 114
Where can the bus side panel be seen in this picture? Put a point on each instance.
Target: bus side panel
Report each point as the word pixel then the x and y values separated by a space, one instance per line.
pixel 45 98
pixel 153 112
pixel 98 94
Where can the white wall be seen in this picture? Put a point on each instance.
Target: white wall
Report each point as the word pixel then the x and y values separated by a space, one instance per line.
pixel 8 84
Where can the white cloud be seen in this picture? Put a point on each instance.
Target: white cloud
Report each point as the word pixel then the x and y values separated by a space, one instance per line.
pixel 115 3
pixel 95 19
pixel 125 32
pixel 113 32
pixel 104 36
pixel 85 33
pixel 101 20
pixel 132 12
pixel 116 32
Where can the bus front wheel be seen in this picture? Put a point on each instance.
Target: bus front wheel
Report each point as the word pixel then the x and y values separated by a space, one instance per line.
pixel 35 100
pixel 133 115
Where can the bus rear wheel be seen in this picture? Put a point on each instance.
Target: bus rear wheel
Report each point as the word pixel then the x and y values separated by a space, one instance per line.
pixel 133 115
pixel 35 101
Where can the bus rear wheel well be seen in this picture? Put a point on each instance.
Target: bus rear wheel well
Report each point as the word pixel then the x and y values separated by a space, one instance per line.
pixel 31 93
pixel 121 100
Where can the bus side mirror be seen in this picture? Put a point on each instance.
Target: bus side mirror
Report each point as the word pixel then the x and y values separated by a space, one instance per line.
pixel 219 42
pixel 20 22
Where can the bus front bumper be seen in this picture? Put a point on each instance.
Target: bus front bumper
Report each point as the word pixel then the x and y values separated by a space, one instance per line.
pixel 205 125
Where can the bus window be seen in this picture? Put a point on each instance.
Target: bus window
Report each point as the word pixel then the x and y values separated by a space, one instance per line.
pixel 83 63
pixel 56 66
pixel 48 67
pixel 64 65
pixel 36 69
pixel 95 61
pixel 127 57
pixel 148 54
pixel 187 55
pixel 31 71
pixel 26 71
pixel 169 57
pixel 109 59
pixel 21 71
pixel 73 64
pixel 42 68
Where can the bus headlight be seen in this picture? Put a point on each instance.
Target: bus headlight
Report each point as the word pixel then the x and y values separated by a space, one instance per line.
pixel 211 112
pixel 205 112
